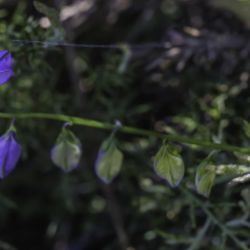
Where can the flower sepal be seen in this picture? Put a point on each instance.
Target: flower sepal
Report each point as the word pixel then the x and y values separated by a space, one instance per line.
pixel 66 153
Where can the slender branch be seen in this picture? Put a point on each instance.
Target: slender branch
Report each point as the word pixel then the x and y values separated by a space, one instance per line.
pixel 212 217
pixel 197 242
pixel 127 129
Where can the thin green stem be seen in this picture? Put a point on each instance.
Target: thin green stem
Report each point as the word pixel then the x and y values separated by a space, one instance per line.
pixel 197 242
pixel 128 130
pixel 212 217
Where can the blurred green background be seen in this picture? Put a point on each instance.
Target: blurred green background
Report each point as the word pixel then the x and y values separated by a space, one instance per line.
pixel 197 86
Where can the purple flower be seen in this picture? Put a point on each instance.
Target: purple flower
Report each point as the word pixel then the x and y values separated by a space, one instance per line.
pixel 10 152
pixel 5 66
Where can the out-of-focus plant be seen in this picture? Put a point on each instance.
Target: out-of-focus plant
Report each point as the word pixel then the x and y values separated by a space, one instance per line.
pixel 201 104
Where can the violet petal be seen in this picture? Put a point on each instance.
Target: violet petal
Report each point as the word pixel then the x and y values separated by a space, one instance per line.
pixel 5 66
pixel 10 152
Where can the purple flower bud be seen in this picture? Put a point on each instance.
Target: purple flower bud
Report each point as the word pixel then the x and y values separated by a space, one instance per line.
pixel 5 66
pixel 10 152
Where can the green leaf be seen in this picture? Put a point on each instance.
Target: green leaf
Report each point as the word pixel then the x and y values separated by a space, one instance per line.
pixel 169 165
pixel 109 161
pixel 204 179
pixel 246 127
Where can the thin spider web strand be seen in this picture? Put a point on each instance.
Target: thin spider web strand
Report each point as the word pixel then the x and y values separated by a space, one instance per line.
pixel 45 44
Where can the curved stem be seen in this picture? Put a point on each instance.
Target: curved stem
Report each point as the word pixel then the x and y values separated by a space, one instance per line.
pixel 127 129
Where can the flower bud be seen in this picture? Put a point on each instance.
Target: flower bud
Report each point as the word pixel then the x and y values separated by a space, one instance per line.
pixel 5 66
pixel 109 161
pixel 204 178
pixel 10 152
pixel 66 153
pixel 169 165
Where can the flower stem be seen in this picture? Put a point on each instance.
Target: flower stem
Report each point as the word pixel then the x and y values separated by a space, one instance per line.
pixel 128 130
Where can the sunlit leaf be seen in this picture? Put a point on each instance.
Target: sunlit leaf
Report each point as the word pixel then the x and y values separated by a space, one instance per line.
pixel 169 165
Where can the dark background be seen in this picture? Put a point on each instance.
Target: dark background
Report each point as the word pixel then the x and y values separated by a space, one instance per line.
pixel 193 82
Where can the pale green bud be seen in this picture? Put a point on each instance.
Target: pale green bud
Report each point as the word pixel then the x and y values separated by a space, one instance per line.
pixel 204 179
pixel 66 153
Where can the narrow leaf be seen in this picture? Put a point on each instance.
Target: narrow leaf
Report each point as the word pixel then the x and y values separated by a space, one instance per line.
pixel 246 127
